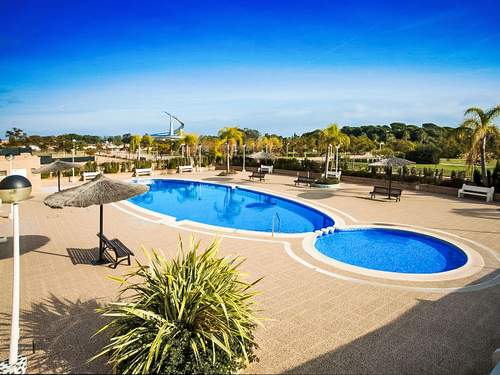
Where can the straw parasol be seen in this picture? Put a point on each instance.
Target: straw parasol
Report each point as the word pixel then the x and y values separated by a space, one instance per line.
pixel 101 190
pixel 262 155
pixel 57 166
pixel 389 163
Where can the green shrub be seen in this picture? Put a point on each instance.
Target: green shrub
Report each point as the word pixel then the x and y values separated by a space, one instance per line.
pixel 192 314
pixel 476 177
pixel 110 167
pixel 424 154
pixel 140 164
pixel 90 166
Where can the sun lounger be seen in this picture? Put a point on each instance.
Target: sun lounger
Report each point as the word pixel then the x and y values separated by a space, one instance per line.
pixel 396 193
pixel 258 175
pixel 119 249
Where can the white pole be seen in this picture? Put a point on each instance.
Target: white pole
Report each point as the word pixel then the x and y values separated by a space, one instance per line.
pixel 337 159
pixel 73 160
pixel 244 155
pixel 14 332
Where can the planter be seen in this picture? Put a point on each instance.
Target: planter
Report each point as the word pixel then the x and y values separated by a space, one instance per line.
pixel 326 186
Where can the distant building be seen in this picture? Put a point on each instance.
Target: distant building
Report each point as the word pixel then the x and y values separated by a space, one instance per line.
pixel 21 164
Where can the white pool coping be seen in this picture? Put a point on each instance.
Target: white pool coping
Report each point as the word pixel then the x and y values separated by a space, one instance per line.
pixel 474 264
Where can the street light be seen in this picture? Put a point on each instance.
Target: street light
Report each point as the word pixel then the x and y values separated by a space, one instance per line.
pixel 15 189
pixel 73 160
pixel 244 156
pixel 337 160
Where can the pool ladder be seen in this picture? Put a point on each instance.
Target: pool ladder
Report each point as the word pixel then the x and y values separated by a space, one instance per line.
pixel 276 218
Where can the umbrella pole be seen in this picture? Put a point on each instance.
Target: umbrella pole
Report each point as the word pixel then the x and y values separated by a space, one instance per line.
pixel 58 180
pixel 101 251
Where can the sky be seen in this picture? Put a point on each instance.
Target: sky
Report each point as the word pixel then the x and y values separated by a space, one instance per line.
pixel 112 67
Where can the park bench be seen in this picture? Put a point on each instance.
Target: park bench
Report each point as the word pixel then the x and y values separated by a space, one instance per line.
pixel 119 249
pixel 396 193
pixel 90 175
pixel 304 180
pixel 334 174
pixel 478 191
pixel 185 168
pixel 143 172
pixel 261 176
pixel 266 169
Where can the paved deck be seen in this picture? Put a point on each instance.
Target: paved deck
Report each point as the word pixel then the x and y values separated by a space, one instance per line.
pixel 321 319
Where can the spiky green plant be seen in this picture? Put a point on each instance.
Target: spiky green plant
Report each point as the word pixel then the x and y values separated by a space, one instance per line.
pixel 191 314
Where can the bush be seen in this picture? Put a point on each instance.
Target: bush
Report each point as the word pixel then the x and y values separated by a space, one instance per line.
pixel 110 167
pixel 495 177
pixel 140 164
pixel 193 314
pixel 327 181
pixel 476 177
pixel 424 154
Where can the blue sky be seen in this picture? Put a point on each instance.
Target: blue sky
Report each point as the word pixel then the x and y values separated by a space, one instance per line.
pixel 104 67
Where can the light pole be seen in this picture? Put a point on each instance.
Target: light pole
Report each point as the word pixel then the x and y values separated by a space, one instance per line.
pixel 15 189
pixel 73 160
pixel 244 157
pixel 287 148
pixel 337 160
pixel 199 157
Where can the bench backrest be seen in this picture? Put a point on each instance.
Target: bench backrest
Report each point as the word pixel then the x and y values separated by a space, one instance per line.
pixel 143 170
pixel 477 189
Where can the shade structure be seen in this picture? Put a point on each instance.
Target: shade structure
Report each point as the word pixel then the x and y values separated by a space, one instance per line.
pixel 389 163
pixel 262 155
pixel 57 166
pixel 101 190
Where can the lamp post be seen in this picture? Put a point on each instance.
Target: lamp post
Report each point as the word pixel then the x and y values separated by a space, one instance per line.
pixel 199 157
pixel 73 160
pixel 15 189
pixel 287 148
pixel 337 159
pixel 244 156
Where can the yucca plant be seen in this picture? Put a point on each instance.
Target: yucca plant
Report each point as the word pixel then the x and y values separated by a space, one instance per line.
pixel 191 314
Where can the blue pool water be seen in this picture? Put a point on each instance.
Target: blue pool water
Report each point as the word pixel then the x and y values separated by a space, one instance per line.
pixel 229 207
pixel 391 250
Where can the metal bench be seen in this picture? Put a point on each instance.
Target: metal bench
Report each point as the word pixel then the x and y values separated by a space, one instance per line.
pixel 89 175
pixel 261 176
pixel 119 249
pixel 143 172
pixel 185 168
pixel 396 193
pixel 478 191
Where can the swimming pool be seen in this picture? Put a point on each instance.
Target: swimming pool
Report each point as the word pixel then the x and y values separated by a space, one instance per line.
pixel 391 250
pixel 230 207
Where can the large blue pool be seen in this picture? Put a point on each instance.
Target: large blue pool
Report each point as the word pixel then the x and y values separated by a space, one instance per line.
pixel 391 250
pixel 230 207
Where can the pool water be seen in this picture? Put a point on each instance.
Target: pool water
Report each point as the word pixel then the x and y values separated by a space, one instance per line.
pixel 230 207
pixel 391 250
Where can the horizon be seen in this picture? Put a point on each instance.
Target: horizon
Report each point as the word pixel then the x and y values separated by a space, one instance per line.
pixel 284 68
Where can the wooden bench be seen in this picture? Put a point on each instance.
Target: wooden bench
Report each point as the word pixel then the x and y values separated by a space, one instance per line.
pixel 478 191
pixel 119 249
pixel 143 172
pixel 396 193
pixel 90 175
pixel 265 169
pixel 304 180
pixel 185 168
pixel 259 175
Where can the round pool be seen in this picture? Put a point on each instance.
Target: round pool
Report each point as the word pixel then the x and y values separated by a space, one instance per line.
pixel 391 250
pixel 230 207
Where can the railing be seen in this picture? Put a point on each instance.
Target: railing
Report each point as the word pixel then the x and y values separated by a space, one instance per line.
pixel 277 218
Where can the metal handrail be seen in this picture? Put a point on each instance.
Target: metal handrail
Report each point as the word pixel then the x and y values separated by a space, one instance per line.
pixel 276 216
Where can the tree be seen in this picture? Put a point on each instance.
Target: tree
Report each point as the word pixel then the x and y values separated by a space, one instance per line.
pixel 480 128
pixel 147 141
pixel 190 140
pixel 231 136
pixel 332 135
pixel 135 142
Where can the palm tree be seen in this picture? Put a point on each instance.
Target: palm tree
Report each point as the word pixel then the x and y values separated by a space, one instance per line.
pixel 332 135
pixel 479 126
pixel 231 137
pixel 190 140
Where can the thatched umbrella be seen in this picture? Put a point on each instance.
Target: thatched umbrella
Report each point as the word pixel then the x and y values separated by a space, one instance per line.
pixel 389 163
pixel 101 190
pixel 262 155
pixel 57 166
